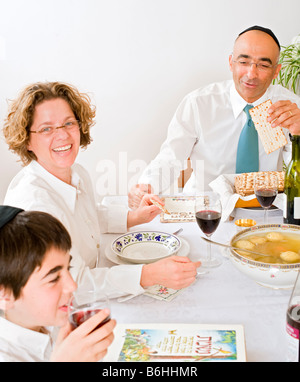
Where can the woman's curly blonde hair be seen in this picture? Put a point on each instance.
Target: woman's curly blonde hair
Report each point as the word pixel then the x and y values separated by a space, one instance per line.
pixel 21 111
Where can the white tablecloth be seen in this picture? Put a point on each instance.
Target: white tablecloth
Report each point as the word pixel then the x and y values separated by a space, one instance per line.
pixel 224 296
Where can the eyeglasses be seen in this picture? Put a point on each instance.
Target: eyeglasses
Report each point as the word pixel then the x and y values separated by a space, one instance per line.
pixel 68 126
pixel 260 66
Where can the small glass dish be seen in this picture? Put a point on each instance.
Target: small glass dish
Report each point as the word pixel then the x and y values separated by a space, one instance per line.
pixel 244 223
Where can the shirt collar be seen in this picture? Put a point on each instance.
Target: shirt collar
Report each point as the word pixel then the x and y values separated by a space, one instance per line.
pixel 238 103
pixel 38 343
pixel 66 191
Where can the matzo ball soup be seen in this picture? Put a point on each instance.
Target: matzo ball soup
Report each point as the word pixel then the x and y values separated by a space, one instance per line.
pixel 280 248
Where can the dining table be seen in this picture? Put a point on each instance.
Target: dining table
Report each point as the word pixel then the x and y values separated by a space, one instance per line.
pixel 222 296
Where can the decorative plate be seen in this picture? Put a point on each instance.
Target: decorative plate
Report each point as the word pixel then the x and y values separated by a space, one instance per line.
pixel 145 246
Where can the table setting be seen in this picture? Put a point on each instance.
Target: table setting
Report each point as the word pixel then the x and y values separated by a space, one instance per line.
pixel 223 294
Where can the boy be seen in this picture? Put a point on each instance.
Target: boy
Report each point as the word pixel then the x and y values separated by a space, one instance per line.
pixel 35 287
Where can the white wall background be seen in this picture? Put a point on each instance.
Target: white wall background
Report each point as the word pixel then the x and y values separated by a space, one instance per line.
pixel 136 58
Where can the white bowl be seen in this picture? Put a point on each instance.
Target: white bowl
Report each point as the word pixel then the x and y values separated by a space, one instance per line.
pixel 144 247
pixel 276 276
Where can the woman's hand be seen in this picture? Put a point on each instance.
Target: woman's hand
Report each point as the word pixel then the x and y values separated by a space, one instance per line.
pixel 85 343
pixel 174 272
pixel 136 194
pixel 146 211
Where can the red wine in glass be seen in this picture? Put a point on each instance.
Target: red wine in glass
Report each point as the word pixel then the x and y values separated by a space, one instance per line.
pixel 208 212
pixel 208 221
pixel 78 317
pixel 265 186
pixel 266 197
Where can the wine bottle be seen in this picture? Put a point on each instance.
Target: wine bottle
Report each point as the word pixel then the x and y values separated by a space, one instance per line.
pixel 291 210
pixel 293 324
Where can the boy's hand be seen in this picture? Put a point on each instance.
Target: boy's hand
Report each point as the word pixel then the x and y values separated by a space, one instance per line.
pixel 85 343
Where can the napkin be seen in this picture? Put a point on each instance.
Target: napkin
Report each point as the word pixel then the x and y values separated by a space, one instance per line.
pixel 160 292
pixel 224 186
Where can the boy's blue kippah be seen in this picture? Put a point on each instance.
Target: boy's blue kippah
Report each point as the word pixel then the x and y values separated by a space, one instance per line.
pixel 7 213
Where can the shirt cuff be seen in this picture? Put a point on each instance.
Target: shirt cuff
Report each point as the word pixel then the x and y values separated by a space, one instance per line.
pixel 112 216
pixel 117 281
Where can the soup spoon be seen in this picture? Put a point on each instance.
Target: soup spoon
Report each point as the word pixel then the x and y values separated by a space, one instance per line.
pixel 236 248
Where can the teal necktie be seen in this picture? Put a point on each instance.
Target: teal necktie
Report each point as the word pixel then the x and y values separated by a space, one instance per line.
pixel 247 151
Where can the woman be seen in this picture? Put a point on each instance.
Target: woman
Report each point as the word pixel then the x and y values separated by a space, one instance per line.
pixel 46 125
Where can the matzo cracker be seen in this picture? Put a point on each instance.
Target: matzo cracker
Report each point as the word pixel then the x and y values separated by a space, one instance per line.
pixel 272 137
pixel 243 183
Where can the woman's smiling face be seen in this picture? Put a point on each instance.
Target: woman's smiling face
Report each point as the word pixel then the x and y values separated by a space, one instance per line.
pixel 55 152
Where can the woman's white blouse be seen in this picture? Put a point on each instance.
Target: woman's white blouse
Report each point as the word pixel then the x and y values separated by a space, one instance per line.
pixel 34 188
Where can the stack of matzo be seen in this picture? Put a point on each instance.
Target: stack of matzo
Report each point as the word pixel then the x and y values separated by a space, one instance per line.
pixel 244 182
pixel 272 137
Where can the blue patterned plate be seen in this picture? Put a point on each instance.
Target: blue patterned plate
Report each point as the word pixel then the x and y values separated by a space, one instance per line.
pixel 145 246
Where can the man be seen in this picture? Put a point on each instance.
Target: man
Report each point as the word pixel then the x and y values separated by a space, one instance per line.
pixel 207 124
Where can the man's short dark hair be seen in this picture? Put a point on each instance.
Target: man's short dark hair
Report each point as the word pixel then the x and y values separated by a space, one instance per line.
pixel 24 242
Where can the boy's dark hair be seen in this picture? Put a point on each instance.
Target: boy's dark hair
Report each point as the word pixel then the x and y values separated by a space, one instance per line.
pixel 24 241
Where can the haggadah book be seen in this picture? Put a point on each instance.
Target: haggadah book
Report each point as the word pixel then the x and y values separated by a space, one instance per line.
pixel 177 343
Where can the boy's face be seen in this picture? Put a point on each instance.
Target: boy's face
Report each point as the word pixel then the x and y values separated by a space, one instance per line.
pixel 44 298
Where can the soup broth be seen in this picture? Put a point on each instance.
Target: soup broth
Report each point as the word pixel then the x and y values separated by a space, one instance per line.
pixel 281 248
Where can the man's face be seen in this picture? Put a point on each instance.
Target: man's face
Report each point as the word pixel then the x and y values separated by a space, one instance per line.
pixel 259 48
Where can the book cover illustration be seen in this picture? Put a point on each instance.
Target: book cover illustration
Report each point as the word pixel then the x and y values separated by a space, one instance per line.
pixel 173 343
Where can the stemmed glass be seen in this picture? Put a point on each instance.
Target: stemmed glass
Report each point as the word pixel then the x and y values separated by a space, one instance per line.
pixel 265 189
pixel 85 304
pixel 208 212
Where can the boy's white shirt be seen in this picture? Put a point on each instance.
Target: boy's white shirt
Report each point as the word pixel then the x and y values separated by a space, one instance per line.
pixel 18 344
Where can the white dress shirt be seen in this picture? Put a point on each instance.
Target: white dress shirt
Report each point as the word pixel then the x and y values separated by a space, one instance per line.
pixel 206 127
pixel 34 188
pixel 18 344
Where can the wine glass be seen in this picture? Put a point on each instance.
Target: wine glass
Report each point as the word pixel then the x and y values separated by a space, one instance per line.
pixel 85 304
pixel 208 212
pixel 265 189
